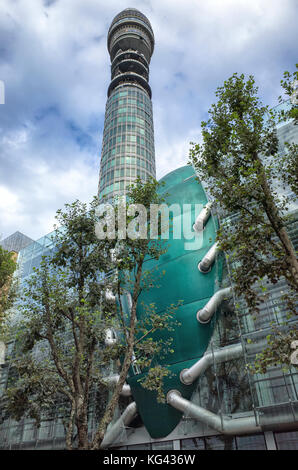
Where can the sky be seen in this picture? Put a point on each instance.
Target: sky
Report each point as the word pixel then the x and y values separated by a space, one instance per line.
pixel 55 68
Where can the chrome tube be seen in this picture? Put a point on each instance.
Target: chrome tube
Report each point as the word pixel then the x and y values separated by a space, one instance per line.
pixel 129 300
pixel 188 376
pixel 115 429
pixel 205 264
pixel 110 338
pixel 112 380
pixel 2 353
pixel 202 218
pixel 206 313
pixel 109 295
pixel 223 425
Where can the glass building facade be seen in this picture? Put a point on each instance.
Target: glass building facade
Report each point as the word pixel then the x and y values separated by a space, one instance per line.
pixel 128 137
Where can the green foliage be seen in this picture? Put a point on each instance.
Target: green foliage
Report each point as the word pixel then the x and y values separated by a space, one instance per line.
pixel 37 391
pixel 134 251
pixel 137 336
pixel 154 381
pixel 7 287
pixel 289 85
pixel 288 164
pixel 148 349
pixel 7 266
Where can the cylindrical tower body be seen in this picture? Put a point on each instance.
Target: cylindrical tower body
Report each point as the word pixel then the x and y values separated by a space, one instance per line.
pixel 128 137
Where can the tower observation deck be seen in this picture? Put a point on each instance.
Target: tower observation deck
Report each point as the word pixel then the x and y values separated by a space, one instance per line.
pixel 128 137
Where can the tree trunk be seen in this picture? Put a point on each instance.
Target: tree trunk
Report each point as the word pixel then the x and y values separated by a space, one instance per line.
pixel 278 226
pixel 286 241
pixel 82 424
pixel 69 433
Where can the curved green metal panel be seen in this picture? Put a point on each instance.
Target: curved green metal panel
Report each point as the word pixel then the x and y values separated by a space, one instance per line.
pixel 182 281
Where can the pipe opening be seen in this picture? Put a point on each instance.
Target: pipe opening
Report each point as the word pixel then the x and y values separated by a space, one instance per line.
pixel 200 319
pixel 203 268
pixel 185 378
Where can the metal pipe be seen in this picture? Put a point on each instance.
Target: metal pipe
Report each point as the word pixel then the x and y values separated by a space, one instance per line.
pixel 114 431
pixel 206 313
pixel 129 300
pixel 112 380
pixel 2 352
pixel 110 338
pixel 205 264
pixel 202 218
pixel 2 355
pixel 188 376
pixel 232 426
pixel 110 296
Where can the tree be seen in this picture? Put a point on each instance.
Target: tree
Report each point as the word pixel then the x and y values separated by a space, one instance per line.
pixel 137 340
pixel 288 164
pixel 239 160
pixel 61 355
pixel 289 84
pixel 7 291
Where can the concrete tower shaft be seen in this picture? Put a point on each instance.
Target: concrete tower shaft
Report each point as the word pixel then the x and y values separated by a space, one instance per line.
pixel 128 138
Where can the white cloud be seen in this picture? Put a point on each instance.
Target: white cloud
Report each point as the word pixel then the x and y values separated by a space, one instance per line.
pixel 10 206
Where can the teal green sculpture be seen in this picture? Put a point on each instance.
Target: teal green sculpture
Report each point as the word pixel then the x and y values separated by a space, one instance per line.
pixel 182 281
